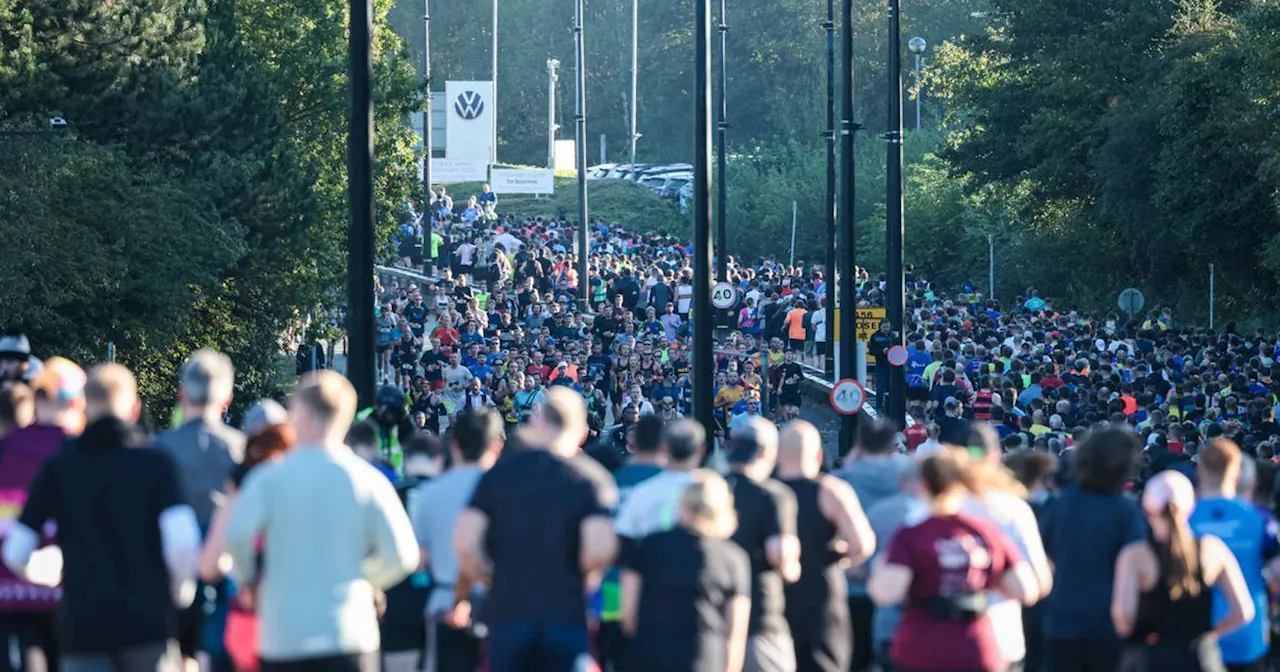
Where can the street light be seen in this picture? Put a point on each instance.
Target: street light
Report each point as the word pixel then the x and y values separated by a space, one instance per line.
pixel 917 45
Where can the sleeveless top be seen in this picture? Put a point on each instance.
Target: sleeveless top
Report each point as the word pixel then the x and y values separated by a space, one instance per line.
pixel 1165 621
pixel 822 580
pixel 982 403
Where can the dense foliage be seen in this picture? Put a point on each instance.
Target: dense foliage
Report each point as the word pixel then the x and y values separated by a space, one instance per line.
pixel 198 197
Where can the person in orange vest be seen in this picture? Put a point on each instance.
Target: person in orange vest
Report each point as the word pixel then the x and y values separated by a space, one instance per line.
pixel 565 369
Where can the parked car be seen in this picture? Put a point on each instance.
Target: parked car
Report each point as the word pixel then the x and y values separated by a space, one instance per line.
pixel 600 172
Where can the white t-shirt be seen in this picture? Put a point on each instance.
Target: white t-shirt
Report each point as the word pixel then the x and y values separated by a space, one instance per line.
pixel 819 323
pixel 653 506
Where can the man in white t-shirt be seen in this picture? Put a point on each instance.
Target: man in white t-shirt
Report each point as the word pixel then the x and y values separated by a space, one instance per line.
pixel 653 506
pixel 818 321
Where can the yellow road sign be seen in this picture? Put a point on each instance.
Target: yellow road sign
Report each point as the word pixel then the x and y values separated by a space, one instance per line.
pixel 868 323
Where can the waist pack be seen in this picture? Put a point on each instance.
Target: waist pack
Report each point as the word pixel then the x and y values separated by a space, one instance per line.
pixel 961 607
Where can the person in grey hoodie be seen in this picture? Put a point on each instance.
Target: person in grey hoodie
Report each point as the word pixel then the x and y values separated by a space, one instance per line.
pixel 886 518
pixel 873 469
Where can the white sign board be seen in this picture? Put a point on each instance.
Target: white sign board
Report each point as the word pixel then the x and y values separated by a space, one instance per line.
pixel 847 397
pixel 724 295
pixel 447 171
pixel 566 158
pixel 517 181
pixel 469 131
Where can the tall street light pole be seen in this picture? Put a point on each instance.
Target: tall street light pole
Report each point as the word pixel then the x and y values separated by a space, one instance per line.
pixel 722 185
pixel 830 26
pixel 552 77
pixel 894 280
pixel 360 357
pixel 580 148
pixel 917 45
pixel 428 223
pixel 635 73
pixel 848 269
pixel 493 75
pixel 703 315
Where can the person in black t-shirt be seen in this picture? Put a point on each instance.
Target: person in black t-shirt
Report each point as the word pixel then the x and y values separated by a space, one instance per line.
pixel 686 592
pixel 767 532
pixel 148 559
pixel 789 379
pixel 538 525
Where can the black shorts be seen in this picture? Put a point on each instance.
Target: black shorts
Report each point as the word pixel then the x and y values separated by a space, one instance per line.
pixel 797 344
pixel 347 662
pixel 34 635
pixel 820 348
pixel 789 399
pixel 191 624
pixel 918 393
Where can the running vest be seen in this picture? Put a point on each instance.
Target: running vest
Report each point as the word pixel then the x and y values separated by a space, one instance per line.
pixel 982 403
pixel 388 442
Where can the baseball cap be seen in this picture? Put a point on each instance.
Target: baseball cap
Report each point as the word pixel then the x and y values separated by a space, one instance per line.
pixel 951 402
pixel 59 380
pixel 1169 487
pixel 262 415
pixel 15 345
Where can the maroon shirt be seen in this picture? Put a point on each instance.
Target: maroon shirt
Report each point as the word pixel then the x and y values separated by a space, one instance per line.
pixel 949 555
pixel 22 454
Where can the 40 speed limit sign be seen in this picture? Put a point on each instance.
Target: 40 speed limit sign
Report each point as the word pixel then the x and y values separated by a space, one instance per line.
pixel 723 295
pixel 848 396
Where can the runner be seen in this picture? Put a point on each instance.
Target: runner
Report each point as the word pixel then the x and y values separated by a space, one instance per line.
pixel 767 533
pixel 1163 600
pixel 686 591
pixel 476 440
pixel 333 533
pixel 827 508
pixel 537 527
pixel 55 405
pixel 147 529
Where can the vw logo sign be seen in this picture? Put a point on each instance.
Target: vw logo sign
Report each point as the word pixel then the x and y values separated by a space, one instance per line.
pixel 469 105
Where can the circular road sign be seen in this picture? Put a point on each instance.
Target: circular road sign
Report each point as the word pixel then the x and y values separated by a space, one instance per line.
pixel 897 355
pixel 1131 301
pixel 848 396
pixel 724 295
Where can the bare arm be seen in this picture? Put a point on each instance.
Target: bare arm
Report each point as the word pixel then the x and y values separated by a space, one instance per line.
pixel 783 553
pixel 1127 587
pixel 839 504
pixel 468 544
pixel 738 613
pixel 1230 581
pixel 212 565
pixel 888 584
pixel 599 544
pixel 630 600
pixel 1020 583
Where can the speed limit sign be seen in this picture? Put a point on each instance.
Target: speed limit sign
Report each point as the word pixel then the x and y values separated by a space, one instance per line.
pixel 848 396
pixel 724 295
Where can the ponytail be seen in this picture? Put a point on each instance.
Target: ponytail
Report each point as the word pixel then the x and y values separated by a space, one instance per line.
pixel 1180 556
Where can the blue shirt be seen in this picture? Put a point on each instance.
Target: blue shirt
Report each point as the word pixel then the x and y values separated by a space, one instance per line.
pixel 1246 532
pixel 1083 532
pixel 917 362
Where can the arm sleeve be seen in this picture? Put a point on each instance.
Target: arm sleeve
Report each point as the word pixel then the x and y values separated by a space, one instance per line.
pixel 180 541
pixel 395 551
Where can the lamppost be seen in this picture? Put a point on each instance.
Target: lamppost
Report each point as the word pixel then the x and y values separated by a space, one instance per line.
pixel 703 313
pixel 428 224
pixel 635 73
pixel 848 363
pixel 722 186
pixel 360 288
pixel 895 286
pixel 917 45
pixel 580 149
pixel 493 74
pixel 830 206
pixel 552 77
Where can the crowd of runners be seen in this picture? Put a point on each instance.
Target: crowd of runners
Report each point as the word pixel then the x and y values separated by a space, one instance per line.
pixel 1074 492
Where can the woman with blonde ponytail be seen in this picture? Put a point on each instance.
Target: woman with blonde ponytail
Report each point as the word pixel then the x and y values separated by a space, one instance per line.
pixel 1163 598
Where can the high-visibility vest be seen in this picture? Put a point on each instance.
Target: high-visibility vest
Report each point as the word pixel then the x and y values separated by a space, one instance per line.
pixel 388 442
